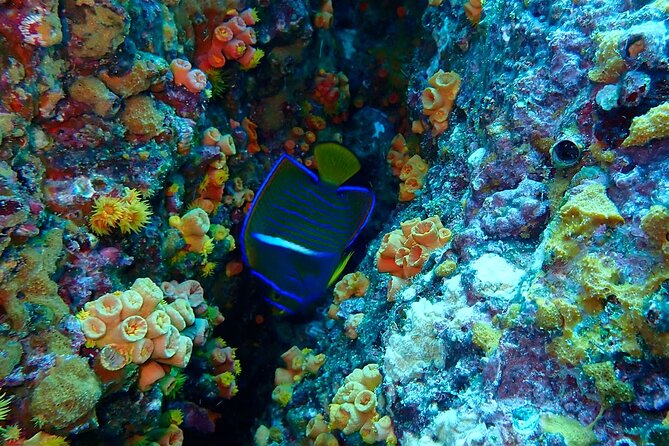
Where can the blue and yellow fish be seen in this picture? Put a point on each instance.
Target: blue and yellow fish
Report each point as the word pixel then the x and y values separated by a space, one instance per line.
pixel 300 225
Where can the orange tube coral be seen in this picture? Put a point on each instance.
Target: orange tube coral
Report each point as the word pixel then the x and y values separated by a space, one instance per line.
pixel 404 251
pixel 182 354
pixel 249 16
pixel 142 351
pixel 195 81
pixel 158 324
pixel 227 145
pixel 473 9
pixel 131 302
pixel 113 357
pixel 211 137
pixel 149 373
pixel 135 326
pixel 438 99
pixel 248 36
pixel 108 308
pixel 165 346
pixel 93 328
pixel 180 68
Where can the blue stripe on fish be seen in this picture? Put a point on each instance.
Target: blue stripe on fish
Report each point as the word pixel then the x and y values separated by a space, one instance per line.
pixel 306 219
pixel 309 205
pixel 300 236
pixel 283 243
pixel 323 200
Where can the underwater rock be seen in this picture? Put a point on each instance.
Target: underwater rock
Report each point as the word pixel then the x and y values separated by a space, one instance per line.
pixel 97 28
pixel 515 212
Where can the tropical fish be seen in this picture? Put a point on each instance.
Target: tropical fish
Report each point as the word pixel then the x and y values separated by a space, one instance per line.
pixel 300 225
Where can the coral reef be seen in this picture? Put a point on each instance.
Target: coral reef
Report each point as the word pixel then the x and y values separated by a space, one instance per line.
pixel 510 287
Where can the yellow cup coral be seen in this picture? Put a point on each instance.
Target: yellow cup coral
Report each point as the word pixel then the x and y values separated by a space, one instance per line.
pixel 128 213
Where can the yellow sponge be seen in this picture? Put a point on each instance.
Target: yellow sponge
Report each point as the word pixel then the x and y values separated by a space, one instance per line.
pixel 579 217
pixel 653 125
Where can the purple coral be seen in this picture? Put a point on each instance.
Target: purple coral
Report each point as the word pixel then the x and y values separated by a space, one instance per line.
pixel 514 212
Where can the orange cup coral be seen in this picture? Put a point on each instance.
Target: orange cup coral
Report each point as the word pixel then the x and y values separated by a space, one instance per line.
pixel 438 99
pixel 398 154
pixel 411 175
pixel 137 326
pixel 352 284
pixel 232 40
pixel 403 252
pixel 473 9
pixel 298 364
pixel 353 408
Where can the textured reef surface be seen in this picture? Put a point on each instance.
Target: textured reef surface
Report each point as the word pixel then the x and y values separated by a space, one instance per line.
pixel 510 287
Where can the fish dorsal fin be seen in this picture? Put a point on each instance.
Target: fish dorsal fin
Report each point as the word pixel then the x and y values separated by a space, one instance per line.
pixel 335 163
pixel 340 268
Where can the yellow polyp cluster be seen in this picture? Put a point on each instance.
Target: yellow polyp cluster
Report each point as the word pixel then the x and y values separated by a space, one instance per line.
pixel 128 213
pixel 579 217
pixel 486 337
pixel 611 390
pixel 12 432
pixel 174 416
pixel 282 394
pixel 255 59
pixel 208 269
pixel 226 367
pixel 298 363
pixel 652 125
pixel 227 384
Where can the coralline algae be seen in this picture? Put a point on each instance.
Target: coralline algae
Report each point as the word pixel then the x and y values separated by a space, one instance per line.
pixel 509 289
